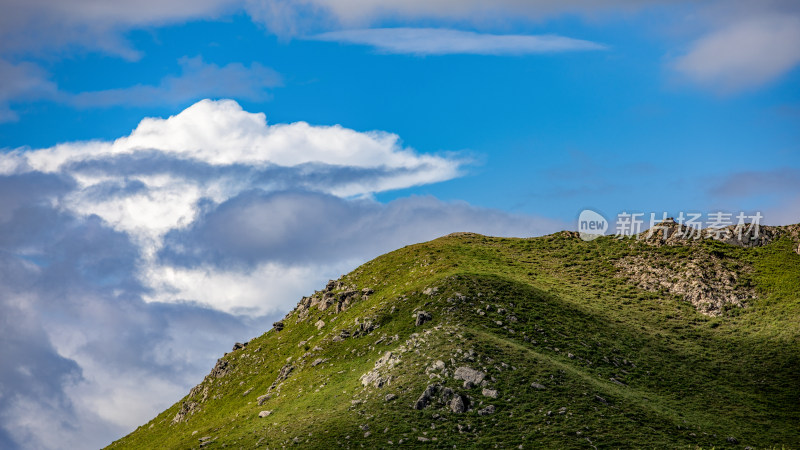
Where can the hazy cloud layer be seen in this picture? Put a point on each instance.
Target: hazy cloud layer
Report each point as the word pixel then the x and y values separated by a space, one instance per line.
pixel 197 80
pixel 749 44
pixel 127 267
pixel 439 41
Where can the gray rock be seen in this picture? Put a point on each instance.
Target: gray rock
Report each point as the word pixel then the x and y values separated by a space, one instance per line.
pixel 457 404
pixel 263 399
pixel 389 397
pixel 278 326
pixel 486 411
pixel 426 397
pixel 732 440
pixel 489 393
pixel 538 386
pixel 422 317
pixel 320 324
pixel 239 345
pixel 318 361
pixel 469 375
pixel 446 395
pixel 263 414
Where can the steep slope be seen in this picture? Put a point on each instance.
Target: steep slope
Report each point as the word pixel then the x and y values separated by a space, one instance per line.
pixel 475 341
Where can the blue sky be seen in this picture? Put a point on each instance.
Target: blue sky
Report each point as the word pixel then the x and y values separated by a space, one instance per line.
pixel 163 162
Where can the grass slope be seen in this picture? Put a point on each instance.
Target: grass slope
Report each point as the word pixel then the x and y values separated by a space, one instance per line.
pixel 622 367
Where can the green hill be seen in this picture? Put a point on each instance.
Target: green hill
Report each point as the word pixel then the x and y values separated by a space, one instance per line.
pixel 474 341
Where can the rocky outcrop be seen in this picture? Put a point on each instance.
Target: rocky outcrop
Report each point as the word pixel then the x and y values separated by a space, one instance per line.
pixel 670 232
pixel 220 369
pixel 706 282
pixel 283 374
pixel 336 295
pixel 378 376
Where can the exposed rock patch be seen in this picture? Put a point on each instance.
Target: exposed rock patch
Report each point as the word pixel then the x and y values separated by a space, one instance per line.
pixel 706 283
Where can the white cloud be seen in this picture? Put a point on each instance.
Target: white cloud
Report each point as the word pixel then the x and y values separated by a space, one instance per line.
pixel 300 16
pixel 221 134
pixel 439 41
pixel 745 54
pixel 121 260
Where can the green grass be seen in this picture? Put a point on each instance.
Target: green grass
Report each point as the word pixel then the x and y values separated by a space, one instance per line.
pixel 689 380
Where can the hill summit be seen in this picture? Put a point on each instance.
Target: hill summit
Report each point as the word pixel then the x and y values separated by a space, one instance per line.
pixel 471 341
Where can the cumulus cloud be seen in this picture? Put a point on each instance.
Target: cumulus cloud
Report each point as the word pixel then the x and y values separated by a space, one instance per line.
pixel 128 266
pixel 440 41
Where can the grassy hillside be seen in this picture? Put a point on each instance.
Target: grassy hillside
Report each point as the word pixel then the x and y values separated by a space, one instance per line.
pixel 573 345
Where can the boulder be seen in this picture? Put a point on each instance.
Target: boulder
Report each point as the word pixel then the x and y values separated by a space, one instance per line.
pixel 489 393
pixel 422 317
pixel 263 414
pixel 426 397
pixel 457 404
pixel 469 375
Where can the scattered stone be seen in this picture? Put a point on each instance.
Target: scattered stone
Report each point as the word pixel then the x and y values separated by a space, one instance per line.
pixel 438 365
pixel 422 439
pixel 422 317
pixel 489 393
pixel 318 361
pixel 320 324
pixel 283 374
pixel 732 440
pixel 430 291
pixel 614 380
pixel 562 410
pixel 247 392
pixel 263 414
pixel 486 411
pixel 278 326
pixel 389 397
pixel 367 434
pixel 601 399
pixel 263 399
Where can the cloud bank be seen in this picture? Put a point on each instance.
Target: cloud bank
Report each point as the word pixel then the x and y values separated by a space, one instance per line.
pixel 129 266
pixel 439 41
